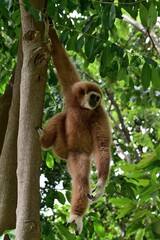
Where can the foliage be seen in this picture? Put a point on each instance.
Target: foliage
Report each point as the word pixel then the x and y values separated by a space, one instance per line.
pixel 125 63
pixel 9 233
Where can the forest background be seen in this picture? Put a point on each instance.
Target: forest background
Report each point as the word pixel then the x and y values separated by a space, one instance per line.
pixel 115 44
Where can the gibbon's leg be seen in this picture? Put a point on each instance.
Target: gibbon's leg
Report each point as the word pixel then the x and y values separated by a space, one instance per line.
pixel 79 168
pixel 102 149
pixel 53 128
pixel 66 70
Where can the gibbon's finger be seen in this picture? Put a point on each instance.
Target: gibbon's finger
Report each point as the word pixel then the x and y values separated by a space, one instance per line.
pixel 90 197
pixel 76 233
pixel 39 130
pixel 94 189
pixel 78 221
pixel 100 188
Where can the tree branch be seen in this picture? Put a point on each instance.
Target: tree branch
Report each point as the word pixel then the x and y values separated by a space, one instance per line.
pixel 5 103
pixel 151 34
pixel 123 129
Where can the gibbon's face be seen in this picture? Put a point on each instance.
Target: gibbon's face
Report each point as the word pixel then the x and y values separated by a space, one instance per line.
pixel 87 94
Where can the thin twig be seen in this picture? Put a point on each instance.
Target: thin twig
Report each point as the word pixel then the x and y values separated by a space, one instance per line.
pixel 151 34
pixel 124 129
pixel 120 117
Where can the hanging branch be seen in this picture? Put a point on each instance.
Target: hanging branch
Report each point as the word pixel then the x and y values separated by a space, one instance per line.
pixel 151 34
pixel 123 128
pixel 127 156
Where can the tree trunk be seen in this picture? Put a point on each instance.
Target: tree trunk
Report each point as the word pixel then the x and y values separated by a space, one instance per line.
pixel 8 159
pixel 5 103
pixel 35 61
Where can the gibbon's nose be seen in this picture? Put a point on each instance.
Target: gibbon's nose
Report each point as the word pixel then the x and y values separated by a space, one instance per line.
pixel 94 99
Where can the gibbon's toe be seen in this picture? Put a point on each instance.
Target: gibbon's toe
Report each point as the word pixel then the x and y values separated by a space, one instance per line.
pixel 78 221
pixel 99 189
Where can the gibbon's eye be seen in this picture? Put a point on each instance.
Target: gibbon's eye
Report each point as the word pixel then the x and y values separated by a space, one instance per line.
pixel 94 97
pixel 82 91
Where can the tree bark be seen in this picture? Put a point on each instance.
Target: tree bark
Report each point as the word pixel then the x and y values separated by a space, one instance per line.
pixel 33 78
pixel 5 103
pixel 8 159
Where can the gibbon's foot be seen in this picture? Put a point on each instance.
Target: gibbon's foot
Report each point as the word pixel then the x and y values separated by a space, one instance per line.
pixel 78 221
pixel 39 130
pixel 99 189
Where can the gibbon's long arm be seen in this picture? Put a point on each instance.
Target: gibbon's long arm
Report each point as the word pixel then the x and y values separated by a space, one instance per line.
pixel 102 153
pixel 66 71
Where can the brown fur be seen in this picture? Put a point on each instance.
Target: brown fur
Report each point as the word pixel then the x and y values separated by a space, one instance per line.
pixel 78 132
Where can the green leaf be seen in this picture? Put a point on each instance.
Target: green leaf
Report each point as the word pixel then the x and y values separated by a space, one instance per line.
pixel 3 10
pixel 103 70
pixel 108 17
pixel 143 15
pixel 158 151
pixel 155 79
pixel 121 74
pixel 35 13
pixel 68 196
pixel 156 227
pixel 128 167
pixel 64 231
pixel 149 233
pixel 124 205
pixel 138 182
pixel 49 198
pixel 89 46
pixel 112 15
pixel 146 75
pixel 124 211
pixel 121 201
pixel 80 43
pixel 107 55
pixel 111 70
pixel 150 61
pixel 139 214
pixel 71 45
pixel 140 234
pixel 26 4
pixel 98 48
pixel 10 233
pixel 147 193
pixel 50 9
pixel 49 161
pixel 99 229
pixel 60 197
pixel 64 35
pixel 147 161
pixel 152 15
pixel 125 61
pixel 87 26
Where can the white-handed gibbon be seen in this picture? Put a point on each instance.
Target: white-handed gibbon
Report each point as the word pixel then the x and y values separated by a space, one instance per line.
pixel 81 132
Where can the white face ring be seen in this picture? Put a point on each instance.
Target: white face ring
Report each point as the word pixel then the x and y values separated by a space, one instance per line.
pixel 85 101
